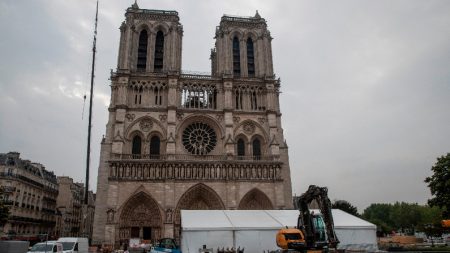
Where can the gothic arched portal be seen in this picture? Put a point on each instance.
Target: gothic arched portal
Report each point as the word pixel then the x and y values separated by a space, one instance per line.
pixel 198 197
pixel 255 200
pixel 140 218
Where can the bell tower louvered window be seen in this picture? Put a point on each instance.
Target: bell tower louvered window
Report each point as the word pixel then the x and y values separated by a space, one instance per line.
pixel 236 57
pixel 142 51
pixel 159 52
pixel 250 58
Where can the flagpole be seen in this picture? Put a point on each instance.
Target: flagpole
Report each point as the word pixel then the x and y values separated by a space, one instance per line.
pixel 88 156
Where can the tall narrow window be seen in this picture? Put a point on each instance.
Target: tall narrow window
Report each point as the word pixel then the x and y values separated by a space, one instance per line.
pixel 136 148
pixel 142 51
pixel 236 57
pixel 240 147
pixel 256 149
pixel 159 51
pixel 155 145
pixel 158 95
pixel 138 96
pixel 250 58
pixel 254 101
pixel 238 98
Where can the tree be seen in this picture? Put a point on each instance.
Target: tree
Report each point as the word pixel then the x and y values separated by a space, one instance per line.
pixel 406 216
pixel 380 215
pixel 439 184
pixel 345 206
pixel 431 221
pixel 4 210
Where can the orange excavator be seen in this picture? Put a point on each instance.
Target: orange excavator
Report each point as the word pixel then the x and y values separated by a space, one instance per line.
pixel 445 223
pixel 315 231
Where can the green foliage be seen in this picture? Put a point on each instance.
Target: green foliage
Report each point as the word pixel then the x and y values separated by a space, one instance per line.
pixel 345 206
pixel 439 184
pixel 4 210
pixel 404 217
pixel 380 215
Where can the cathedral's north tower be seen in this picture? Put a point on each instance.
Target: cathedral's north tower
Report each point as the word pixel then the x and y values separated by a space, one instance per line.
pixel 184 141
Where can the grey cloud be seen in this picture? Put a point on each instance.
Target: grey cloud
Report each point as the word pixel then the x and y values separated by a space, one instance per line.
pixel 365 92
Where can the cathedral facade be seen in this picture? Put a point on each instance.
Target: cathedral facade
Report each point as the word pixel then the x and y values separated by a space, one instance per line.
pixel 184 141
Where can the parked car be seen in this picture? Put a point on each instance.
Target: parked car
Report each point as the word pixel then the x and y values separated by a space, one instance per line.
pixel 74 244
pixel 47 247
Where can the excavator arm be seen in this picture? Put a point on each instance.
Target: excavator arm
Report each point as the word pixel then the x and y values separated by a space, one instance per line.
pixel 305 220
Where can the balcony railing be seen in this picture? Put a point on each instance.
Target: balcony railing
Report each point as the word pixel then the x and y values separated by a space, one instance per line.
pixel 48 210
pixel 51 200
pixel 209 170
pixel 186 157
pixel 8 202
pixel 8 189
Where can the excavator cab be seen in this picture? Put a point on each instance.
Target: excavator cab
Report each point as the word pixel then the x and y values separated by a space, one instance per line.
pixel 317 235
pixel 319 229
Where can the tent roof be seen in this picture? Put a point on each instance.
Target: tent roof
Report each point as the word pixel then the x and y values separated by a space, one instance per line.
pixel 346 220
pixel 259 219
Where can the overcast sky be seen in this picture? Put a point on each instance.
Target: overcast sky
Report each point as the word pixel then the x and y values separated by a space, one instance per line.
pixel 365 85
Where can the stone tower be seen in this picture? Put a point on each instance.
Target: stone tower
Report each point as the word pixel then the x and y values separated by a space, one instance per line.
pixel 182 141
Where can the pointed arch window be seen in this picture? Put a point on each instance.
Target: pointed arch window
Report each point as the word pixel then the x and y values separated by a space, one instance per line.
pixel 142 51
pixel 138 96
pixel 158 95
pixel 236 57
pixel 155 147
pixel 250 58
pixel 159 51
pixel 238 99
pixel 136 146
pixel 254 101
pixel 256 144
pixel 240 147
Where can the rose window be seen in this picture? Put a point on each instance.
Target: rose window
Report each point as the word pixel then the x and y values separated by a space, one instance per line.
pixel 199 138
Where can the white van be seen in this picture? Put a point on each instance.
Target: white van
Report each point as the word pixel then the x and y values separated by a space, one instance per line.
pixel 74 244
pixel 47 247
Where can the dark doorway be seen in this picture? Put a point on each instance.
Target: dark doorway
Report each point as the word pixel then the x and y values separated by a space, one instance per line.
pixel 134 232
pixel 147 233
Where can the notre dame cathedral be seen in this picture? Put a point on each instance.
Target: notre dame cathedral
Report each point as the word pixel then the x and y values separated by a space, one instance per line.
pixel 184 141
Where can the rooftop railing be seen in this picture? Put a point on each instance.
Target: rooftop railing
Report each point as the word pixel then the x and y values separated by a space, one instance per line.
pixel 242 19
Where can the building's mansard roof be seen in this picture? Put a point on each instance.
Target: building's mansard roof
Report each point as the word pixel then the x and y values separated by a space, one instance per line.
pixel 13 159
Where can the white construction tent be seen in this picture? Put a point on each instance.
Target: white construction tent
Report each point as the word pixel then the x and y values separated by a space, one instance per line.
pixel 255 230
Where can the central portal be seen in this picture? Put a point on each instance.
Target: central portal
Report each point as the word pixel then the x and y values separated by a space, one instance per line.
pixel 140 218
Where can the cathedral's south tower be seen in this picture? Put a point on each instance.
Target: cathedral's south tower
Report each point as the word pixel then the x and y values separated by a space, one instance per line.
pixel 182 141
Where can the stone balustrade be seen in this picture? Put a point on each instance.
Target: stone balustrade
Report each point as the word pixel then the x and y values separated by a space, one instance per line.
pixel 157 170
